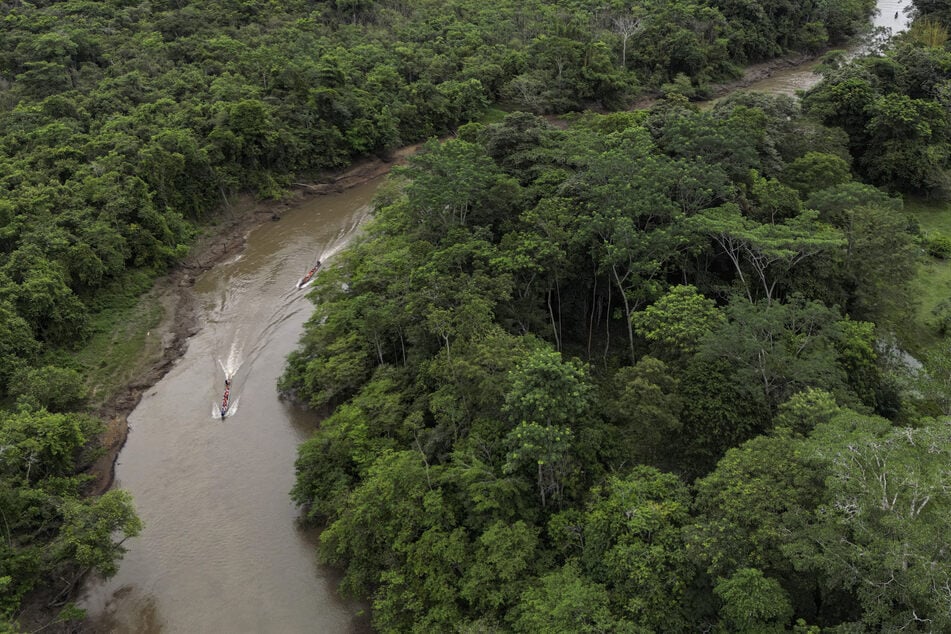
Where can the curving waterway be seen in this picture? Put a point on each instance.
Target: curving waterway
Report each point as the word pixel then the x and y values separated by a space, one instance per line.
pixel 890 15
pixel 221 550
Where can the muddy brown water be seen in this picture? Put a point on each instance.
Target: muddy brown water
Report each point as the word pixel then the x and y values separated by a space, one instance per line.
pixel 890 15
pixel 221 550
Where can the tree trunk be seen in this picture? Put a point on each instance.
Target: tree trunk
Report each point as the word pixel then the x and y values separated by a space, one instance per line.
pixel 627 313
pixel 594 302
pixel 607 327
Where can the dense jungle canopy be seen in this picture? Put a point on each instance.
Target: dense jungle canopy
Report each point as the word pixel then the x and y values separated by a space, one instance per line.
pixel 565 364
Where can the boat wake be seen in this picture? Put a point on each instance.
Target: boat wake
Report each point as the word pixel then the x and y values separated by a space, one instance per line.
pixel 232 364
pixel 339 243
pixel 244 351
pixel 231 411
pixel 228 406
pixel 309 275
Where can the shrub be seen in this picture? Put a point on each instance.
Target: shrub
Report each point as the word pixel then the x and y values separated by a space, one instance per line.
pixel 51 387
pixel 938 245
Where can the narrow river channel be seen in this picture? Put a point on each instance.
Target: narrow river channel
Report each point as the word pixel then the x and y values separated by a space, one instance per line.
pixel 890 15
pixel 221 551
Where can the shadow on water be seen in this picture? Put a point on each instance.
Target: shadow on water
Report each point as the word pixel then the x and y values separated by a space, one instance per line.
pixel 145 615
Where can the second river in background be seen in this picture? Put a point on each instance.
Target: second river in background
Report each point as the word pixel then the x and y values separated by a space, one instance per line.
pixel 890 15
pixel 221 550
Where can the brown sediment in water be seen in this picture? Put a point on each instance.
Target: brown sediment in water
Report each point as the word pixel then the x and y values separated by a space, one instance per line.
pixel 173 292
pixel 751 75
pixel 759 72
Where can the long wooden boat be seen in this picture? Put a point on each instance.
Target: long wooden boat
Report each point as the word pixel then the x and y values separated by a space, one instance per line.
pixel 309 275
pixel 226 399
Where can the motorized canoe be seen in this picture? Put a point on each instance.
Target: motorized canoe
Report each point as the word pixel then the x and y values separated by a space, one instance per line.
pixel 309 275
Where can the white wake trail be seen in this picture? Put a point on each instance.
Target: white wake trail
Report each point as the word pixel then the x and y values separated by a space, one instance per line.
pixel 232 364
pixel 232 409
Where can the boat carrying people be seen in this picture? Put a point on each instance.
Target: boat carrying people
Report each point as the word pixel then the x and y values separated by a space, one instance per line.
pixel 226 398
pixel 309 275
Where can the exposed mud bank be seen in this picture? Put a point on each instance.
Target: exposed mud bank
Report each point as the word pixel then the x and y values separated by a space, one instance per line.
pixel 751 75
pixel 173 292
pixel 759 72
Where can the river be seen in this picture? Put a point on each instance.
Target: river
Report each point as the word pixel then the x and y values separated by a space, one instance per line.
pixel 890 15
pixel 221 550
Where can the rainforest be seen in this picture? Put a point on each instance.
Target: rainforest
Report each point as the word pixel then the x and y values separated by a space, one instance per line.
pixel 587 369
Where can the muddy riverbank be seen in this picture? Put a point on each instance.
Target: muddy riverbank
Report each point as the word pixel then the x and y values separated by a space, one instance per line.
pixel 173 292
pixel 751 76
pixel 219 243
pixel 207 302
pixel 222 549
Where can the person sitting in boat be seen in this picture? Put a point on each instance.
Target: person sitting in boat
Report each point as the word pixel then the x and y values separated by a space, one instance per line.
pixel 224 410
pixel 227 383
pixel 224 401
